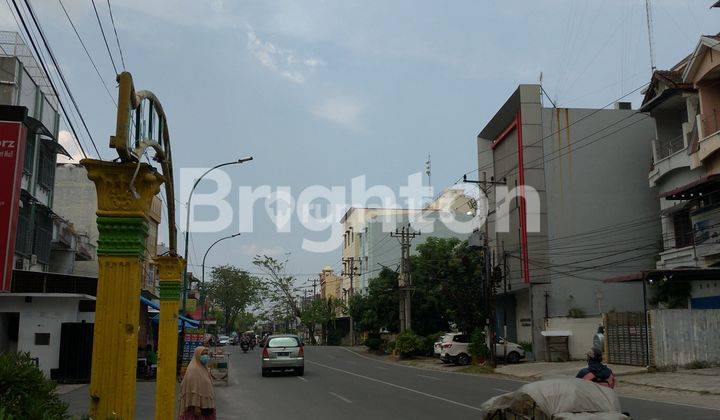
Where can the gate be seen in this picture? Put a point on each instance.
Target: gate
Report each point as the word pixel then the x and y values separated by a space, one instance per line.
pixel 76 342
pixel 626 338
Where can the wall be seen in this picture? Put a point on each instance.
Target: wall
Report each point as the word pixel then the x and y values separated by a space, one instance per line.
pixel 602 217
pixel 42 315
pixel 583 331
pixel 522 312
pixel 684 336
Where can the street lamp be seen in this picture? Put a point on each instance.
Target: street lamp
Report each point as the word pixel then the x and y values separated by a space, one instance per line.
pixel 203 294
pixel 187 221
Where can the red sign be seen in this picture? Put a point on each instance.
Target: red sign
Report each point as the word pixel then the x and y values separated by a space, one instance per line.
pixel 12 158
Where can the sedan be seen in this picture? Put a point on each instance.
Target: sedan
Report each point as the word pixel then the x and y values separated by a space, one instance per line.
pixel 283 352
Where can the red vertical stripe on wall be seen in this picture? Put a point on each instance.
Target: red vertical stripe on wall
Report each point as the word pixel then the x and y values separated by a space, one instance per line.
pixel 523 207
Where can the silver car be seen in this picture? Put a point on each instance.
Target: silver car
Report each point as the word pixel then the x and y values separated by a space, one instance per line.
pixel 283 352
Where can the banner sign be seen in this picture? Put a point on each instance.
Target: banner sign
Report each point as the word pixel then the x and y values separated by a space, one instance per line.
pixel 193 338
pixel 12 159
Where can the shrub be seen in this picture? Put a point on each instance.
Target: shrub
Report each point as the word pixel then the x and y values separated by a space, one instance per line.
pixel 373 343
pixel 408 344
pixel 389 347
pixel 526 345
pixel 429 343
pixel 477 347
pixel 576 313
pixel 25 392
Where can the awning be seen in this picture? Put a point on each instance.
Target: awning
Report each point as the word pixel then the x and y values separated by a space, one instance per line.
pixel 55 147
pixel 693 189
pixel 675 208
pixel 677 274
pixel 188 322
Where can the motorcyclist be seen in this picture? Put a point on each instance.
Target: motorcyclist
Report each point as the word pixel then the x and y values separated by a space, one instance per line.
pixel 597 371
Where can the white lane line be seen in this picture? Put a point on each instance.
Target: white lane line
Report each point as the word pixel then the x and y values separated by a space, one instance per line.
pixel 668 402
pixel 340 397
pixel 430 377
pixel 302 379
pixel 380 367
pixel 502 390
pixel 398 386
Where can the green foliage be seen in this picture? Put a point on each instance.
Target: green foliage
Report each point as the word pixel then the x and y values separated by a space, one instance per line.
pixel 232 289
pixel 25 392
pixel 670 294
pixel 390 347
pixel 478 347
pixel 576 313
pixel 374 343
pixel 429 343
pixel 526 345
pixel 377 307
pixel 408 344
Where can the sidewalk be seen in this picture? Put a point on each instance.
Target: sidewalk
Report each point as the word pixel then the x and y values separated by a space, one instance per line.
pixel 703 381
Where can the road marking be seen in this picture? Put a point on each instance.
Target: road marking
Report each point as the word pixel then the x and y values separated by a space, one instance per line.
pixel 380 367
pixel 302 379
pixel 341 397
pixel 430 377
pixel 668 402
pixel 425 394
pixel 502 390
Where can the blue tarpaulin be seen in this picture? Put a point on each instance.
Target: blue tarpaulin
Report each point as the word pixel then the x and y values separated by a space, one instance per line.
pixel 189 322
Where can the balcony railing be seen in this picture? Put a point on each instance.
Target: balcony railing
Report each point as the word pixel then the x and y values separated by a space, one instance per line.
pixel 23 244
pixel 41 245
pixel 665 148
pixel 710 122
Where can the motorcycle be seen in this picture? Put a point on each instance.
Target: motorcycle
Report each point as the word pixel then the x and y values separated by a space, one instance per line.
pixel 245 346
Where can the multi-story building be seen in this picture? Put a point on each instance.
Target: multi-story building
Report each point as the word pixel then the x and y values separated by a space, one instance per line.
pixel 685 105
pixel 587 213
pixel 38 294
pixel 330 284
pixel 367 240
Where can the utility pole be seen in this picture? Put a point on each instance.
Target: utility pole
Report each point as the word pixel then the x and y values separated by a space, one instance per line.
pixel 350 270
pixel 489 284
pixel 315 283
pixel 405 280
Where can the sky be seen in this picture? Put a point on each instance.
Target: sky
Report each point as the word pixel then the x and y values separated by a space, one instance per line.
pixel 321 92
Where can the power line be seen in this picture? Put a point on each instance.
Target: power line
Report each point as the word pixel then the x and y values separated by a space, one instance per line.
pixel 112 19
pixel 52 85
pixel 107 46
pixel 77 34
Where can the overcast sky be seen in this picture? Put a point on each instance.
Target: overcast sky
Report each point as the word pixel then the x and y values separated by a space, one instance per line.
pixel 321 92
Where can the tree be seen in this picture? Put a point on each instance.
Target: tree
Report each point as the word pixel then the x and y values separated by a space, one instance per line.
pixel 377 307
pixel 280 290
pixel 232 289
pixel 323 312
pixel 463 291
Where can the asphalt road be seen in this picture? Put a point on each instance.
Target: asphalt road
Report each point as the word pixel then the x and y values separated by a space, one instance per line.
pixel 341 384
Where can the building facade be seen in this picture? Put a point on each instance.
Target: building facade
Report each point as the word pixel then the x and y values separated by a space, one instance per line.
pixel 587 213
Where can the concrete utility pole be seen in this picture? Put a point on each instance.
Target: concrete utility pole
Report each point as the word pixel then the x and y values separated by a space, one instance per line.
pixel 489 285
pixel 350 270
pixel 405 281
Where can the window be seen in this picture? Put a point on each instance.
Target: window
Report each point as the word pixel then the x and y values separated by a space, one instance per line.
pixel 42 339
pixel 29 154
pixel 461 338
pixel 283 342
pixel 682 226
pixel 86 306
pixel 46 168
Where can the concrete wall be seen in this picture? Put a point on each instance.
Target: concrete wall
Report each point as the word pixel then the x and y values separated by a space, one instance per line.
pixel 75 200
pixel 602 217
pixel 43 315
pixel 583 330
pixel 684 336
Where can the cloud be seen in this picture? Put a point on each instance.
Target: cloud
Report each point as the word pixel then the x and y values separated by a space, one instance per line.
pixel 66 139
pixel 341 110
pixel 254 249
pixel 281 61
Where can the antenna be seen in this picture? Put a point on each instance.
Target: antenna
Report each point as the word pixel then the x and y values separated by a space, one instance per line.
pixel 649 20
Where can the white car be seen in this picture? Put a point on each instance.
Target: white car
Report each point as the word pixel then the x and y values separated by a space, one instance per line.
pixel 224 340
pixel 437 348
pixel 454 349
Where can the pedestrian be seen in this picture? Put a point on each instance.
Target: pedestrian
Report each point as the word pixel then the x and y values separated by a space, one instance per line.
pixel 197 397
pixel 150 360
pixel 597 371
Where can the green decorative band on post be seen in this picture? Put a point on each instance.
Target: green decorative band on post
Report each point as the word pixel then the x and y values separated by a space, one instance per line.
pixel 122 236
pixel 169 290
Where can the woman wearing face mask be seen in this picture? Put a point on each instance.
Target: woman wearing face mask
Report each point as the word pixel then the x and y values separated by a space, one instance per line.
pixel 197 397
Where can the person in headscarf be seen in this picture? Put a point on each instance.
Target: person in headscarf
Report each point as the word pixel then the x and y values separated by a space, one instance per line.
pixel 197 396
pixel 597 371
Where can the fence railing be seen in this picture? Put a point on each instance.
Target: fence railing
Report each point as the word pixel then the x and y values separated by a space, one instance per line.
pixel 665 148
pixel 42 244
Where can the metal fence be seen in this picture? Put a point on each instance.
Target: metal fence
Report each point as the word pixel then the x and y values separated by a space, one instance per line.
pixel 626 336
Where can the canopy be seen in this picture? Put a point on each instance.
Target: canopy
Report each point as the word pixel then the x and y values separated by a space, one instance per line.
pixel 188 321
pixel 559 398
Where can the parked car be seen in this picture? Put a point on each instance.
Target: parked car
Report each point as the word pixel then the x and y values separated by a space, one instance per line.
pixel 223 340
pixel 454 349
pixel 437 347
pixel 282 352
pixel 508 351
